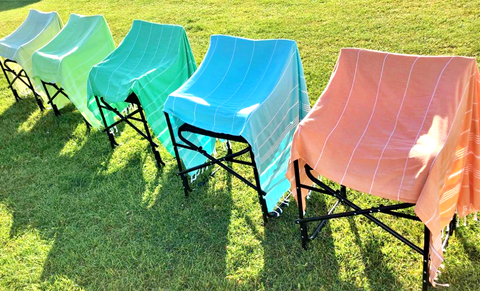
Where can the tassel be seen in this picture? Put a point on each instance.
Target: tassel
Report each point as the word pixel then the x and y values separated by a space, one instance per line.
pixel 458 222
pixel 308 194
pixel 475 217
pixel 465 221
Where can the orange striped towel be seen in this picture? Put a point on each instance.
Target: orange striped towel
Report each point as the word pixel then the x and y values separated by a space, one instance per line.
pixel 401 127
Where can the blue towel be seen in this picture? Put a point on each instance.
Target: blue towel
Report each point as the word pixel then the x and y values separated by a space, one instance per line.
pixel 250 88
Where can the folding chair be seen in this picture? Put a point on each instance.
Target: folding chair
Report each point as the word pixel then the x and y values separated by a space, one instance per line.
pixel 400 127
pixel 151 62
pixel 17 48
pixel 247 91
pixel 62 66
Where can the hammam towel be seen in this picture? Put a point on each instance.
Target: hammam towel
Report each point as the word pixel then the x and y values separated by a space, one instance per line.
pixel 250 88
pixel 152 61
pixel 35 32
pixel 69 57
pixel 400 127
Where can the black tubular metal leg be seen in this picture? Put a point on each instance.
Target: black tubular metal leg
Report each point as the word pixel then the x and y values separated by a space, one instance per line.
pixel 111 137
pixel 50 99
pixel 367 212
pixel 14 92
pixel 186 187
pixel 303 225
pixel 229 148
pixel 426 252
pixel 37 97
pixel 230 157
pixel 158 159
pixel 261 198
pixel 87 124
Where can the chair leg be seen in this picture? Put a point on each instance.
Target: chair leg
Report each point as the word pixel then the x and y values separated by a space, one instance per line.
pixel 426 251
pixel 158 158
pixel 87 124
pixel 110 135
pixel 39 101
pixel 303 225
pixel 14 92
pixel 186 186
pixel 261 199
pixel 50 100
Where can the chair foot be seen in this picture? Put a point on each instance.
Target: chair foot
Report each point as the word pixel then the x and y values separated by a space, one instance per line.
pixel 15 94
pixel 158 158
pixel 186 187
pixel 39 103
pixel 111 137
pixel 55 110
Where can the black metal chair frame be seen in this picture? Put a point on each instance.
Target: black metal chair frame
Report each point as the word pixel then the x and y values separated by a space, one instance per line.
pixel 341 196
pixel 58 91
pixel 22 77
pixel 132 99
pixel 229 157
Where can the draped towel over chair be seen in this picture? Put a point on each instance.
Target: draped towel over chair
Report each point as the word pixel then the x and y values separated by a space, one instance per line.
pixel 35 32
pixel 152 61
pixel 69 57
pixel 400 127
pixel 249 88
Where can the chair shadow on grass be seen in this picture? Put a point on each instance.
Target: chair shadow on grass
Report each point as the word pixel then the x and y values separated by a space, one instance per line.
pixel 379 275
pixel 14 4
pixel 118 228
pixel 463 278
pixel 96 214
pixel 108 226
pixel 35 170
pixel 285 256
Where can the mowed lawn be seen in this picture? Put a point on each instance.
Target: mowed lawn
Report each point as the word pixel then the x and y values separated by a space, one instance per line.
pixel 76 215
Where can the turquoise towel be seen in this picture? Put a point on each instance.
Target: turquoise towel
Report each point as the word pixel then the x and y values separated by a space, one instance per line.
pixel 250 88
pixel 152 61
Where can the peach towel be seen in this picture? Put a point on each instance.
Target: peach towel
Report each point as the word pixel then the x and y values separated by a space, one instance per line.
pixel 400 127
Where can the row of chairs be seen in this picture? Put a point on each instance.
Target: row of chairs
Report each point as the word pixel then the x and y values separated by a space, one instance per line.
pixel 379 126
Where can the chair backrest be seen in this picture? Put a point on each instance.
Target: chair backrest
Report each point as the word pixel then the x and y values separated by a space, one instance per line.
pixel 80 30
pixel 240 59
pixel 161 40
pixel 35 23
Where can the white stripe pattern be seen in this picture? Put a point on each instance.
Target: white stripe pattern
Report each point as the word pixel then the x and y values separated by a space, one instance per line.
pixel 369 120
pixel 421 127
pixel 394 127
pixel 343 112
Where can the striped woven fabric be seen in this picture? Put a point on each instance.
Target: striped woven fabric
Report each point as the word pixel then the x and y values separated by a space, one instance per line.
pixel 35 32
pixel 400 127
pixel 253 89
pixel 152 61
pixel 69 57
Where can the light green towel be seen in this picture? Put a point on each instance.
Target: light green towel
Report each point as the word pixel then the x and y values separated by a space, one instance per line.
pixel 69 57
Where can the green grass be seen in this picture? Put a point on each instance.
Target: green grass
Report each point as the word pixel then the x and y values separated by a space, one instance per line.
pixel 76 215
